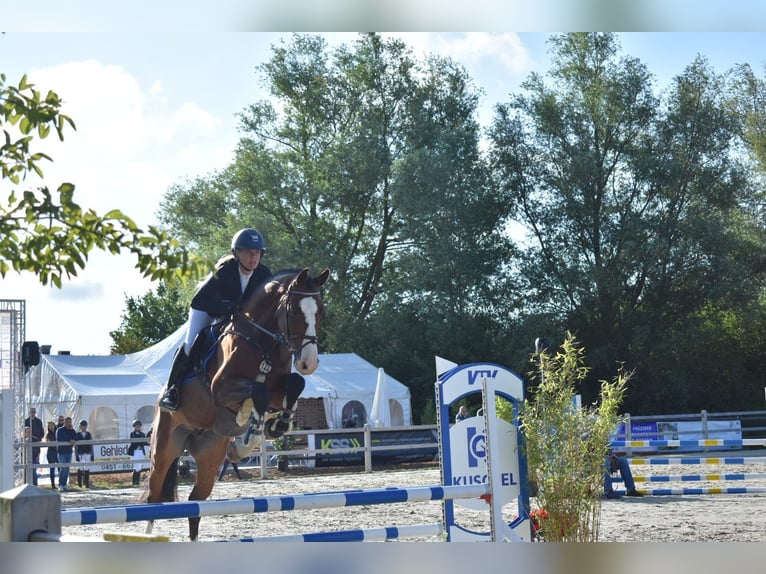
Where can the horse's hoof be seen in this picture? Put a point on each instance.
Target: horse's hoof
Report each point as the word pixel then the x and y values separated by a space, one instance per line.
pixel 276 428
pixel 244 412
pixel 254 441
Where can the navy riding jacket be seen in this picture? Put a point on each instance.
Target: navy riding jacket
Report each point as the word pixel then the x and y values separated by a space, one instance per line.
pixel 221 293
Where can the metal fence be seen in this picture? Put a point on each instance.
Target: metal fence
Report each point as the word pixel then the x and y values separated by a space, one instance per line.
pixel 751 423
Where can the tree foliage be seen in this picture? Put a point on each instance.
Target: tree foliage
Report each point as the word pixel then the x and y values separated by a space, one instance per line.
pixel 643 214
pixel 48 233
pixel 149 319
pixel 635 205
pixel 366 160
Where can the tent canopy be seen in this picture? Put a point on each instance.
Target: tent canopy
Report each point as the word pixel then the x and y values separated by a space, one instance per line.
pixel 111 391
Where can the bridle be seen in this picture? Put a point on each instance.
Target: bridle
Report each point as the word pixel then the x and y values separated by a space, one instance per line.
pixel 282 337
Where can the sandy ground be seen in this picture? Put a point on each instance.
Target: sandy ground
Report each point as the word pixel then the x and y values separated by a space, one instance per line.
pixel 673 518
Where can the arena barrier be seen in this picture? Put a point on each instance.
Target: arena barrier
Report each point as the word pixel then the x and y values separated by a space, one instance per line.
pixel 691 442
pixel 687 460
pixel 473 474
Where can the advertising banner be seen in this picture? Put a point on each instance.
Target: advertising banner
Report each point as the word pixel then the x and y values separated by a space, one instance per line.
pixel 111 458
pixel 355 439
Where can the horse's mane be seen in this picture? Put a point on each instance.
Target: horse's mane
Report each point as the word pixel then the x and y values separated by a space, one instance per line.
pixel 289 273
pixel 282 276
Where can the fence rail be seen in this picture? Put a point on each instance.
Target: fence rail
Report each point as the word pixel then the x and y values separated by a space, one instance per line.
pixel 753 426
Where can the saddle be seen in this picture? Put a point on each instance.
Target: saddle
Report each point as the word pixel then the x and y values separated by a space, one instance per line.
pixel 202 352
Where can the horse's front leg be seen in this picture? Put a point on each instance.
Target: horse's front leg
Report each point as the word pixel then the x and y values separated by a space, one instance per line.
pixel 288 390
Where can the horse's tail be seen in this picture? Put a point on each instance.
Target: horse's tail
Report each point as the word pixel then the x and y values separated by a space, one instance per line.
pixel 170 484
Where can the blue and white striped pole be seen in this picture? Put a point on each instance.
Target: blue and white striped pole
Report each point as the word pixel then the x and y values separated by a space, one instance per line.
pixel 167 510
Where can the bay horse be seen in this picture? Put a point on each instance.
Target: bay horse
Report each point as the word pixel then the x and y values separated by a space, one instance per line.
pixel 242 385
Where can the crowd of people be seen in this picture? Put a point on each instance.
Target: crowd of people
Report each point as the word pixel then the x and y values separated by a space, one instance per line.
pixel 75 446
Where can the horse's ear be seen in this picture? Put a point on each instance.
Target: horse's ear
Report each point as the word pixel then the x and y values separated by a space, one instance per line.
pixel 301 277
pixel 319 281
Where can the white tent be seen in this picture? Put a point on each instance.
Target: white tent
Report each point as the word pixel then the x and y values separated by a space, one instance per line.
pixel 111 391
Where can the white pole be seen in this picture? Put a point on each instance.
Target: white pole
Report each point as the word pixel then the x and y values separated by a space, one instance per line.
pixel 7 439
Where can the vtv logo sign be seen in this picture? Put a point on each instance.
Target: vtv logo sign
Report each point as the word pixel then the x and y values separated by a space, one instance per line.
pixel 473 376
pixel 477 446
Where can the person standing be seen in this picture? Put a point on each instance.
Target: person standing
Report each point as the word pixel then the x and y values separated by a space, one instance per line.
pixel 84 454
pixel 235 277
pixel 137 451
pixel 36 434
pixel 51 453
pixel 67 436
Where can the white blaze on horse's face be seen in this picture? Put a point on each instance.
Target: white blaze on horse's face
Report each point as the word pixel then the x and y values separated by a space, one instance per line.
pixel 307 359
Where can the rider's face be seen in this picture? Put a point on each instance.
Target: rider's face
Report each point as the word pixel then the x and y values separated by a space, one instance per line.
pixel 249 259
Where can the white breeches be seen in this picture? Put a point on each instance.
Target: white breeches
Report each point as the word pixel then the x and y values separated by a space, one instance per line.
pixel 198 320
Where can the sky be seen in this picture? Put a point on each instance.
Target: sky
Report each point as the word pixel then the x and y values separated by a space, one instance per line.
pixel 154 109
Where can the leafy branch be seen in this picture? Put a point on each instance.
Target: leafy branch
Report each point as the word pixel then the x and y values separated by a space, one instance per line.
pixel 49 234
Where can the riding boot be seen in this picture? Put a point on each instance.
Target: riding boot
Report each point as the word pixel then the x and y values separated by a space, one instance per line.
pixel 79 478
pixel 136 477
pixel 86 478
pixel 169 400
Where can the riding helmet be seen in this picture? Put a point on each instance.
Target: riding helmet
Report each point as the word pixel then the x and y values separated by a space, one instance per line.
pixel 248 239
pixel 136 422
pixel 83 422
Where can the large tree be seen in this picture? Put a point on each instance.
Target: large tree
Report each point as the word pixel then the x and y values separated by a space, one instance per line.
pixel 367 160
pixel 634 207
pixel 48 233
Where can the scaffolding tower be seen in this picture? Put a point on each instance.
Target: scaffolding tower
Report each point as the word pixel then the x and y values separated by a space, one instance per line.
pixel 12 336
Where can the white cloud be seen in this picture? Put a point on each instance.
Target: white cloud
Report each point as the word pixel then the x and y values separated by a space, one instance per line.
pixel 474 48
pixel 133 140
pixel 130 143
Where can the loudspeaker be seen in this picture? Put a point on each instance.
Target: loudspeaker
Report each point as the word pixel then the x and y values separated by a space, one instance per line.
pixel 30 353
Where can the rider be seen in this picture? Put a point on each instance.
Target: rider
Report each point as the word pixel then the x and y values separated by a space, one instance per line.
pixel 235 276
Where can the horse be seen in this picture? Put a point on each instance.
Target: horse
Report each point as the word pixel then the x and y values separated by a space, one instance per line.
pixel 242 384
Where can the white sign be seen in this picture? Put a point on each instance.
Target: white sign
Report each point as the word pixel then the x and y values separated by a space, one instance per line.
pixel 469 463
pixel 111 458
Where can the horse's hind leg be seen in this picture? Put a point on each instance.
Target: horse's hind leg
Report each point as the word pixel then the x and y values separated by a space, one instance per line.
pixel 165 448
pixel 209 451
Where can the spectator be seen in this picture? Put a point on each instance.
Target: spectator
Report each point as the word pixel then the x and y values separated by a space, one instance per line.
pixel 137 450
pixel 351 422
pixel 84 454
pixel 51 453
pixel 619 464
pixel 36 435
pixel 68 436
pixel 27 438
pixel 60 422
pixel 462 414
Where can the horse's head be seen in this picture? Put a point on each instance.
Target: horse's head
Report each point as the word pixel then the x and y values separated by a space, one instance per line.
pixel 299 314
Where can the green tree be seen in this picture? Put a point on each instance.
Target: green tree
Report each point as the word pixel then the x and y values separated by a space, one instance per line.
pixel 367 160
pixel 149 319
pixel 636 206
pixel 748 98
pixel 46 232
